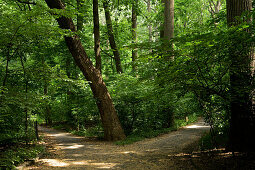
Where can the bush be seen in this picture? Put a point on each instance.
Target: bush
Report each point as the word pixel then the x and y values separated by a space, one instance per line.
pixel 17 154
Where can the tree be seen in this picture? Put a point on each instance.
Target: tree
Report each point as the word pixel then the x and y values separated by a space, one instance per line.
pixel 214 7
pixel 169 20
pixel 242 117
pixel 150 26
pixel 134 33
pixel 79 15
pixel 96 35
pixel 111 37
pixel 110 121
pixel 168 26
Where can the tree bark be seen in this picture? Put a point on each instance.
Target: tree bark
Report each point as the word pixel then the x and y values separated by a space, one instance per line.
pixel 169 20
pixel 214 7
pixel 26 91
pixel 110 120
pixel 8 58
pixel 36 130
pixel 161 33
pixel 149 27
pixel 6 70
pixel 111 38
pixel 134 33
pixel 97 35
pixel 242 122
pixel 70 95
pixel 79 16
pixel 47 107
pixel 168 28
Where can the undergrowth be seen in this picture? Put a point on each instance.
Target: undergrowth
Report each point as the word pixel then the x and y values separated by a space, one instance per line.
pixel 138 135
pixel 94 131
pixel 216 141
pixel 14 155
pixel 150 133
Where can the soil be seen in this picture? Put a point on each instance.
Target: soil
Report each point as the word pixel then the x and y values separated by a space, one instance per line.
pixel 175 150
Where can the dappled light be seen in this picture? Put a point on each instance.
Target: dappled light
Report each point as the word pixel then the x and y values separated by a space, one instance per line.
pixel 128 152
pixel 55 162
pixel 213 159
pixel 72 146
pixel 76 155
pixel 152 84
pixel 84 153
pixel 196 127
pixel 67 163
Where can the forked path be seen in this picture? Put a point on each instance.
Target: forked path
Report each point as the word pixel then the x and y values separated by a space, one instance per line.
pixel 162 152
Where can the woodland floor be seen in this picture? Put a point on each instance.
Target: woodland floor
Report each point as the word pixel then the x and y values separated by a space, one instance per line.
pixel 175 150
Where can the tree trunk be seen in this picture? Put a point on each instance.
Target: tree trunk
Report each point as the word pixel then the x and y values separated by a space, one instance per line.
pixel 217 7
pixel 36 130
pixel 242 118
pixel 161 33
pixel 6 71
pixel 149 27
pixel 169 20
pixel 168 28
pixel 48 119
pixel 214 7
pixel 110 120
pixel 79 16
pixel 111 38
pixel 8 58
pixel 26 91
pixel 69 95
pixel 134 34
pixel 96 35
pixel 47 108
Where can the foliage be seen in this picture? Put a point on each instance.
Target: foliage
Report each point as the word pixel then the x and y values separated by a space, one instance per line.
pixel 149 133
pixel 209 141
pixel 14 155
pixel 40 82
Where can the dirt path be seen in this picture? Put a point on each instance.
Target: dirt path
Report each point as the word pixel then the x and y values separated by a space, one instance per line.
pixel 74 152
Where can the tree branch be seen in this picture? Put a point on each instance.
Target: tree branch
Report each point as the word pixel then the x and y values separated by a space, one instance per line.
pixel 106 53
pixel 26 2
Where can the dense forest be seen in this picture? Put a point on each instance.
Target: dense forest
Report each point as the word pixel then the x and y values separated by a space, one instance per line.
pixel 120 68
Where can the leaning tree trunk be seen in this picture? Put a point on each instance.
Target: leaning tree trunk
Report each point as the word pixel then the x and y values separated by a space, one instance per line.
pixel 242 118
pixel 96 35
pixel 110 120
pixel 111 37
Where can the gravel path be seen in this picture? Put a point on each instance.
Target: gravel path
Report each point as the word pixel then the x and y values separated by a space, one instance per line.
pixel 162 152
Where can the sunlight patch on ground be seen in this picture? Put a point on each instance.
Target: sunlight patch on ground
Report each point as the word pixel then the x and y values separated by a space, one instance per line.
pixel 77 155
pixel 152 150
pixel 180 154
pixel 99 165
pixel 75 146
pixel 57 135
pixel 80 163
pixel 55 162
pixel 64 135
pixel 197 127
pixel 68 162
pixel 127 152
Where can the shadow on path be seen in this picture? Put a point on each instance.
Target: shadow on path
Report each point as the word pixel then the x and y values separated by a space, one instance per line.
pixel 155 153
